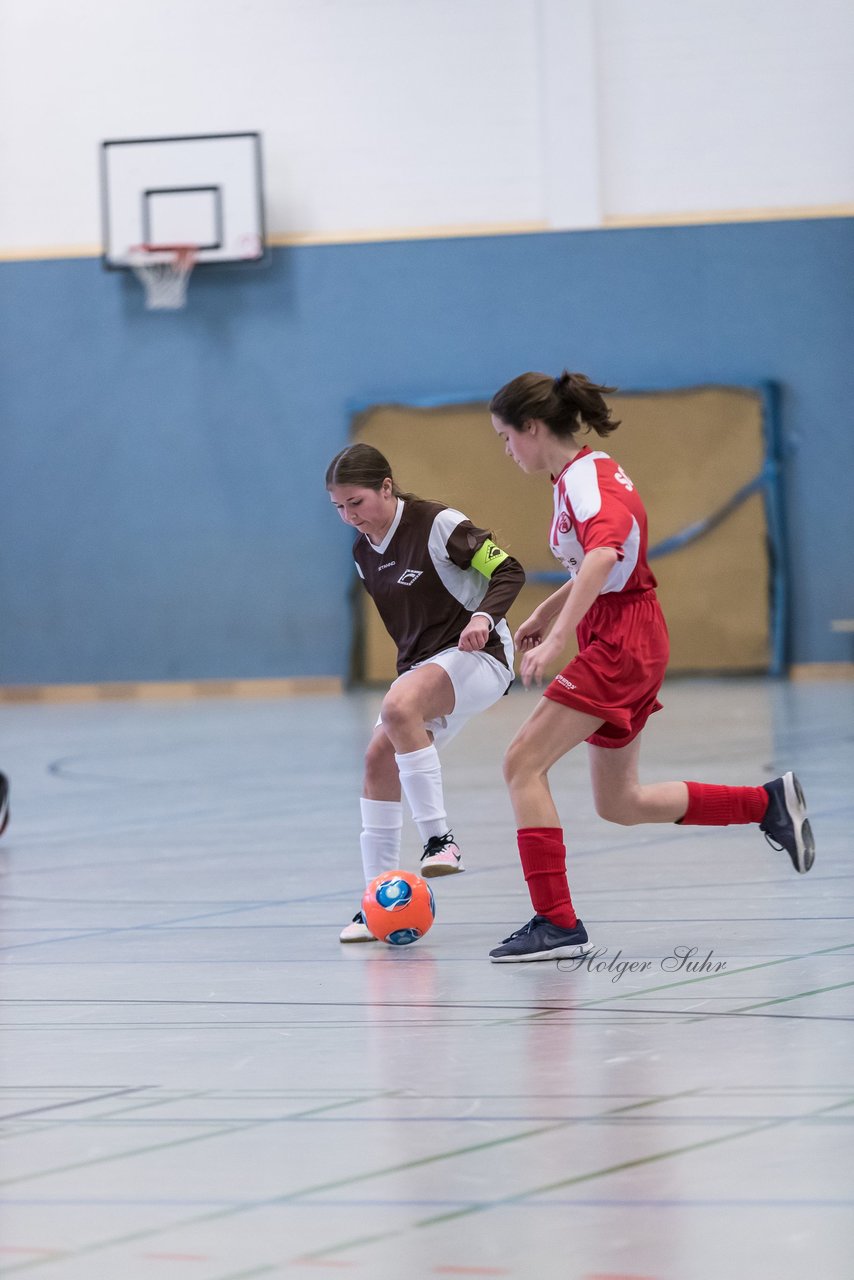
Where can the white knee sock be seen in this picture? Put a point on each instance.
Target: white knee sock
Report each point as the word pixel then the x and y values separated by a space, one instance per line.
pixel 421 780
pixel 382 821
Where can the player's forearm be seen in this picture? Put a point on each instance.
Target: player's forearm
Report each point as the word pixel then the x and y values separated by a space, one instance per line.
pixel 504 586
pixel 552 605
pixel 586 587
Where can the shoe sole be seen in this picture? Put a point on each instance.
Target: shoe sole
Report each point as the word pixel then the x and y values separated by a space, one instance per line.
pixel 574 952
pixel 430 870
pixel 796 805
pixel 363 937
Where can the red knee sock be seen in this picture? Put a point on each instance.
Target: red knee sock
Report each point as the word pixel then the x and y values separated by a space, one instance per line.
pixel 544 863
pixel 712 806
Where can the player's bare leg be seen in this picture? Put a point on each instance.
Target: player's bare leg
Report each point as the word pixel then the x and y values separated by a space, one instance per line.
pixel 619 795
pixel 778 807
pixel 382 778
pixel 554 932
pixel 422 695
pixel 550 731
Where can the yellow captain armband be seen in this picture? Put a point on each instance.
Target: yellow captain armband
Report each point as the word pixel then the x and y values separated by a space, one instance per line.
pixel 487 558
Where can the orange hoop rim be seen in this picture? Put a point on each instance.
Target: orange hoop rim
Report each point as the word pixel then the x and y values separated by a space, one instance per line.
pixel 180 250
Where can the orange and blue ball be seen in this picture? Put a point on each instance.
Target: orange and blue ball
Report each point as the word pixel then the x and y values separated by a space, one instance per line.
pixel 398 907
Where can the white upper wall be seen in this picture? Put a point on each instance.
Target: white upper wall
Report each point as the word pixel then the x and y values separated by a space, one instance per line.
pixel 396 115
pixel 725 104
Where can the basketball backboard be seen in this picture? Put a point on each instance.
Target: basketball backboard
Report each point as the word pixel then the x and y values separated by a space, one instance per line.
pixel 203 190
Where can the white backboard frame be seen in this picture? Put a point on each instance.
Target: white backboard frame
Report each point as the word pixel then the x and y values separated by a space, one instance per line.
pixel 195 189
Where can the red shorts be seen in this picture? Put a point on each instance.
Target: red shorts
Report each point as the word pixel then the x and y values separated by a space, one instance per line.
pixel 618 671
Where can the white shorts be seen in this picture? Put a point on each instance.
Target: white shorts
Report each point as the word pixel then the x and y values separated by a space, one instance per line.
pixel 479 680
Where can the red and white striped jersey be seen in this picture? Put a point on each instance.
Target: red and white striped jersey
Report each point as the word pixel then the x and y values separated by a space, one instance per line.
pixel 596 505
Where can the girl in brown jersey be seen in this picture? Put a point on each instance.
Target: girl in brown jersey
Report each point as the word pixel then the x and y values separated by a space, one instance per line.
pixel 607 692
pixel 442 588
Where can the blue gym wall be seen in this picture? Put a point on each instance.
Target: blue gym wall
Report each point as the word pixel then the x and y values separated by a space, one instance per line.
pixel 163 514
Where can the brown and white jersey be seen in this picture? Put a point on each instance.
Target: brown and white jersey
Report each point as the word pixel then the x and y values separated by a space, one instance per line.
pixel 426 588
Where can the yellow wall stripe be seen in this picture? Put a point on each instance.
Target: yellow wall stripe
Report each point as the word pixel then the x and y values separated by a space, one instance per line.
pixel 377 235
pixel 822 671
pixel 172 690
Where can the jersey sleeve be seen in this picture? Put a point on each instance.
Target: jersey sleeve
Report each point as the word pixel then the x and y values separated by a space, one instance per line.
pixel 608 529
pixel 469 547
pixel 602 518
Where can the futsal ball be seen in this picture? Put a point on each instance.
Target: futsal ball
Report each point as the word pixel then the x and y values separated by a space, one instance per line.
pixel 398 907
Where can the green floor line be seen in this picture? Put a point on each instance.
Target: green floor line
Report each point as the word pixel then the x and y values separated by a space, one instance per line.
pixel 710 977
pixel 632 1106
pixel 800 995
pixel 219 1214
pixel 580 1005
pixel 108 1115
pixel 175 1142
pixel 577 1179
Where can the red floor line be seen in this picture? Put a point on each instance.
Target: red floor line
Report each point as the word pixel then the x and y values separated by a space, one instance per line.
pixel 178 1257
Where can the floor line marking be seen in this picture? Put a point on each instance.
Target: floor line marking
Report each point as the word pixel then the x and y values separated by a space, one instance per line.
pixel 271 1201
pixel 800 995
pixel 74 1102
pixel 36 1127
pixel 643 1160
pixel 486 1206
pixel 164 1146
pixel 148 925
pixel 710 977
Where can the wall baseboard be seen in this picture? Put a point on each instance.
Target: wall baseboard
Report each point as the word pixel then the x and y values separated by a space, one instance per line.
pixel 172 690
pixel 822 671
pixel 453 231
pixel 290 687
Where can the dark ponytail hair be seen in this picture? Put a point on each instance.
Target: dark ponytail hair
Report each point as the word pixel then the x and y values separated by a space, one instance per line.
pixel 563 403
pixel 364 466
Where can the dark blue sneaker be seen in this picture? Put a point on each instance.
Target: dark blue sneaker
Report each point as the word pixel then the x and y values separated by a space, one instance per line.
pixel 539 939
pixel 786 825
pixel 4 802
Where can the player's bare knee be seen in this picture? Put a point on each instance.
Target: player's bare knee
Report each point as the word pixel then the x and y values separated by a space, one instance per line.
pixel 621 810
pixel 515 765
pixel 397 711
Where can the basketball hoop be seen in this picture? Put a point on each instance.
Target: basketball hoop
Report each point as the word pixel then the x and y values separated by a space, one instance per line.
pixel 164 270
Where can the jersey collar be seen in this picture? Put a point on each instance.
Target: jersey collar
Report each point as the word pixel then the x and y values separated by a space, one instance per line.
pixel 585 449
pixel 381 547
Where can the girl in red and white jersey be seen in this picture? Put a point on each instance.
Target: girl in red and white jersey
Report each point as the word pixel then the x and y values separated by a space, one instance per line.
pixel 606 694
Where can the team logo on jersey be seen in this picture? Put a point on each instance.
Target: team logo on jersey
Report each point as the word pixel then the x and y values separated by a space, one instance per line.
pixel 411 575
pixel 564 524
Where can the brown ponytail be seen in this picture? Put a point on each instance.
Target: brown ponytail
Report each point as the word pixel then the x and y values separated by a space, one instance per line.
pixel 562 403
